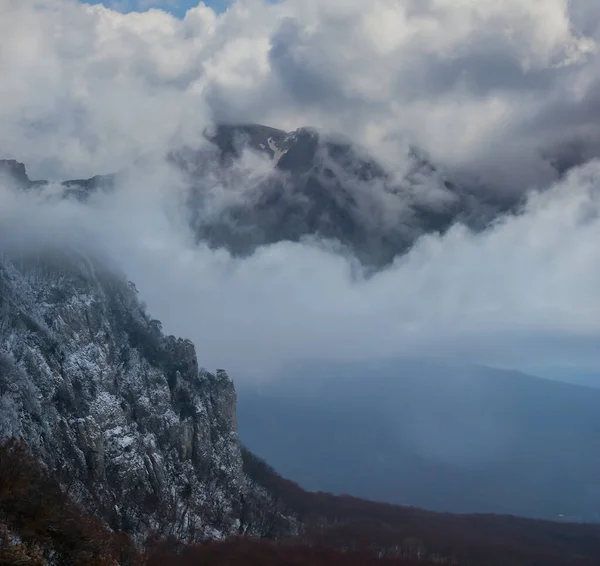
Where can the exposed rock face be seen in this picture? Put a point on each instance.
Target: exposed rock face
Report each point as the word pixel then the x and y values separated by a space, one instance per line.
pixel 326 188
pixel 14 171
pixel 308 185
pixel 15 174
pixel 137 432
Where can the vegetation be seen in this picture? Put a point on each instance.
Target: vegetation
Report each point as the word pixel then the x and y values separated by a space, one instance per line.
pixel 248 552
pixel 40 526
pixel 443 538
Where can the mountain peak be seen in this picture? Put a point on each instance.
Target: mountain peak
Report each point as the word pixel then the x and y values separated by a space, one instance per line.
pixel 14 170
pixel 120 411
pixel 311 185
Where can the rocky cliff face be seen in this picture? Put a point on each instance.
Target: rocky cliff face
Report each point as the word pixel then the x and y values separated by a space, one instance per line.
pixel 136 431
pixel 303 184
pixel 326 188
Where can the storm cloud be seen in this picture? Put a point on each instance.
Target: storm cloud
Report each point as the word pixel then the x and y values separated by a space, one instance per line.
pixel 504 94
pixel 494 88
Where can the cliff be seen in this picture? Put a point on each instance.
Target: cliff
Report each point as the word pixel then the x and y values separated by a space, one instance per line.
pixel 135 430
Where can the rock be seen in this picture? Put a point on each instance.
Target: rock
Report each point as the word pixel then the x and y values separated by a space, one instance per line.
pixel 136 432
pixel 14 172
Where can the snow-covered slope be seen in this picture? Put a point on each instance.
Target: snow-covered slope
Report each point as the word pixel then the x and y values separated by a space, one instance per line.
pixel 136 431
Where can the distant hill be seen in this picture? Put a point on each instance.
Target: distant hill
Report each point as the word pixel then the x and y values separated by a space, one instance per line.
pixel 443 437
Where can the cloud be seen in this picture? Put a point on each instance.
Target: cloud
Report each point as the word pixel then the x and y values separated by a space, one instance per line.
pixel 494 89
pixel 504 93
pixel 126 6
pixel 522 293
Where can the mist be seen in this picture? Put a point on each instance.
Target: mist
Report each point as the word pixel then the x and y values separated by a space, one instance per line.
pixel 502 95
pixel 522 293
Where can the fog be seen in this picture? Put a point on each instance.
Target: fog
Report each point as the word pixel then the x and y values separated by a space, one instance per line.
pixel 522 293
pixel 505 94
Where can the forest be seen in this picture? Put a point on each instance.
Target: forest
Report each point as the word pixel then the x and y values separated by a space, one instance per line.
pixel 41 526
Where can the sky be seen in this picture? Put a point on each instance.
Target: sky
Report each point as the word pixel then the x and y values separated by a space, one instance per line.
pixel 505 94
pixel 176 7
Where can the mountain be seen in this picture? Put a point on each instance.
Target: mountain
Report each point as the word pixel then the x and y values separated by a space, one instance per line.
pixel 14 174
pixel 435 435
pixel 252 185
pixel 117 448
pixel 135 430
pixel 318 186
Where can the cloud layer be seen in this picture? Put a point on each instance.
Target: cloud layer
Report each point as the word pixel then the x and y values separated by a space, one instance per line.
pixel 494 88
pixel 502 91
pixel 523 293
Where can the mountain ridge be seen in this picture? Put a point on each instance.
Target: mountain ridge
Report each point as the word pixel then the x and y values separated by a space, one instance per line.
pixel 309 185
pixel 498 438
pixel 146 442
pixel 143 437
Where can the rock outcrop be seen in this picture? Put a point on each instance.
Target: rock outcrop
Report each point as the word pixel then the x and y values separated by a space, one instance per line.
pixel 306 185
pixel 135 430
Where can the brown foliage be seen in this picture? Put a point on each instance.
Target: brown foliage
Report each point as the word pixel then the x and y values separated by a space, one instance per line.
pixel 479 540
pixel 42 526
pixel 249 552
pixel 39 525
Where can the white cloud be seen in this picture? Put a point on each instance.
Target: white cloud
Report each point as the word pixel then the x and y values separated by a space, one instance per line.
pixel 488 87
pixel 86 88
pixel 523 293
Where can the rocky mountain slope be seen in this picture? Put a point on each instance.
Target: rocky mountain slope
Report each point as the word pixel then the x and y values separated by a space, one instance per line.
pixel 136 431
pixel 318 186
pixel 141 439
pixel 251 185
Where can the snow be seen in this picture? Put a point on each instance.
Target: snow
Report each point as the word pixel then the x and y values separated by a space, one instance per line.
pixel 278 153
pixel 88 401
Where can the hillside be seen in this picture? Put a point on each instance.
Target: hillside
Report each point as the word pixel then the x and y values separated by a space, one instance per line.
pixel 40 525
pixel 442 436
pixel 134 429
